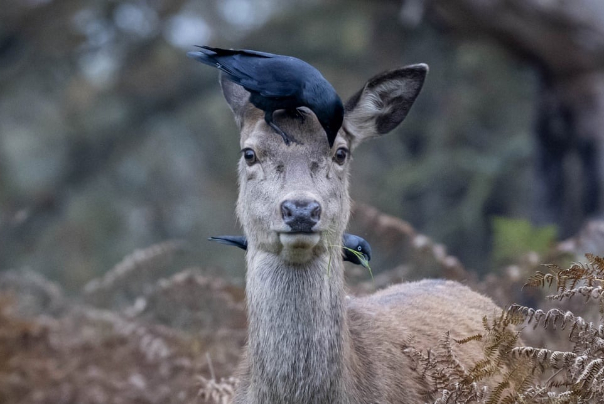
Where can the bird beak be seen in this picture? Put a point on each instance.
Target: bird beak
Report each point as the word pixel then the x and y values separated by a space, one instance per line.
pixel 365 261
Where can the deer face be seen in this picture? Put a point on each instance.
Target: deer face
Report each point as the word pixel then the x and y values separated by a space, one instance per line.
pixel 293 199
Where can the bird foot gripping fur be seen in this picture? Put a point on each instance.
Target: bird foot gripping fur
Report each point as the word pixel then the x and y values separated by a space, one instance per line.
pixel 294 114
pixel 286 138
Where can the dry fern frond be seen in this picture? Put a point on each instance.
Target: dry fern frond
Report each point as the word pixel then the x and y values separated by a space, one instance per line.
pixel 136 271
pixel 588 292
pixel 443 373
pixel 396 234
pixel 597 263
pixel 450 382
pixel 578 373
pixel 592 370
pixel 476 337
pixel 539 280
pixel 555 316
pixel 591 274
pixel 572 376
pixel 555 359
pixel 219 392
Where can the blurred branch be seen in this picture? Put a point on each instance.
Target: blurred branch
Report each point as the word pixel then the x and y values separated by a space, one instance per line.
pixel 564 37
pixel 396 234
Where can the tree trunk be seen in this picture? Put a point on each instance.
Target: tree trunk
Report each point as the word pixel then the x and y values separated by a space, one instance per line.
pixel 565 42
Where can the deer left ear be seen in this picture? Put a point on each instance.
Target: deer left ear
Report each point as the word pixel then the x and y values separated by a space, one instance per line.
pixel 383 103
pixel 237 97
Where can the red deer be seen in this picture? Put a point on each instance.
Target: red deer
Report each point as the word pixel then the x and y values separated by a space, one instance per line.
pixel 307 341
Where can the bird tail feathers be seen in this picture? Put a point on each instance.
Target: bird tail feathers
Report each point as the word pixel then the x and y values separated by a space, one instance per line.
pixel 207 56
pixel 237 241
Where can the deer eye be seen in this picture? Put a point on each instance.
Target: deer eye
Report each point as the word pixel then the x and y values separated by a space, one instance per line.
pixel 340 156
pixel 249 156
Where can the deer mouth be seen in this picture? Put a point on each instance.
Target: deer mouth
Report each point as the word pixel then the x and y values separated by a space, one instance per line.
pixel 299 239
pixel 298 246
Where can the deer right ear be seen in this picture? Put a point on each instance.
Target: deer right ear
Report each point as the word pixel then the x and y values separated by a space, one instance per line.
pixel 383 103
pixel 237 97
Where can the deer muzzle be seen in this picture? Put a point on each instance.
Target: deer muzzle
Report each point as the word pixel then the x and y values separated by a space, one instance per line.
pixel 301 215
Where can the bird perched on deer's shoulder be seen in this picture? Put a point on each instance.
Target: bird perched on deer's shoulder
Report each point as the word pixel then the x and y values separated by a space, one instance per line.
pixel 278 82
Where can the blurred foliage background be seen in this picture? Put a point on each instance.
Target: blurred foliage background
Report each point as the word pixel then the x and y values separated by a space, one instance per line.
pixel 118 160
pixel 111 139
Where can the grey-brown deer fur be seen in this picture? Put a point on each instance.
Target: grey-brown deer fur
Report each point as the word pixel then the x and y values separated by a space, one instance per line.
pixel 308 342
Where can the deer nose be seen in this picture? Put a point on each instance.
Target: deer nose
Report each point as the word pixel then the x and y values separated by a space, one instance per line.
pixel 301 215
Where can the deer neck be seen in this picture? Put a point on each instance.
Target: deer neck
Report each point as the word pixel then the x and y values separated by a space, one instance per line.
pixel 297 329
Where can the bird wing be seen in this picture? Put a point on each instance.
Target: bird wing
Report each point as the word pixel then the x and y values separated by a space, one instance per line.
pixel 237 241
pixel 270 77
pixel 265 73
pixel 215 57
pixel 230 52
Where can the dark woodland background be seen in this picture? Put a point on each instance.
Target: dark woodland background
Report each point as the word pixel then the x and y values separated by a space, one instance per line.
pixel 118 160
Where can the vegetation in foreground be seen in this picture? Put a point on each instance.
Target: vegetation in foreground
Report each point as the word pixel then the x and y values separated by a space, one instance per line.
pixel 141 334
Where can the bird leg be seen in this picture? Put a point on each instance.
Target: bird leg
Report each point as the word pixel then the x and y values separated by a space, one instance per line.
pixel 280 132
pixel 268 118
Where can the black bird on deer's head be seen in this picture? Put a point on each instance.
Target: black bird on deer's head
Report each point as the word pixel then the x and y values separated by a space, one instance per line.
pixel 278 82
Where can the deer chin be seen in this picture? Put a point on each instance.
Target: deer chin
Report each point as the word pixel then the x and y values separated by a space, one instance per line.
pixel 298 247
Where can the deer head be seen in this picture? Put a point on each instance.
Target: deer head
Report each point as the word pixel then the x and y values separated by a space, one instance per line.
pixel 293 199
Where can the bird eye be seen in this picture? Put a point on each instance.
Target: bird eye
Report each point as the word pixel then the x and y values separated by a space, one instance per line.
pixel 340 156
pixel 249 156
pixel 360 248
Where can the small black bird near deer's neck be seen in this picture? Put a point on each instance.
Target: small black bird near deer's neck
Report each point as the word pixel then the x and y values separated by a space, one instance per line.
pixel 277 82
pixel 355 249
